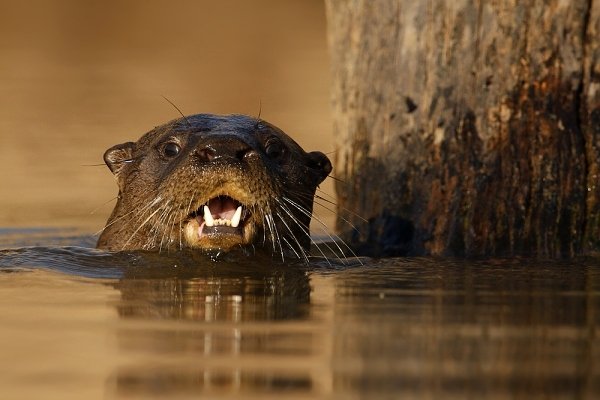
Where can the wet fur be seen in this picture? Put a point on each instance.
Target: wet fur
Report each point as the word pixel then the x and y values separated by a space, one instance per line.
pixel 156 194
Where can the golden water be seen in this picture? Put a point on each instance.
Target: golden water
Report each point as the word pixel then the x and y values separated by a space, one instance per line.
pixel 75 323
pixel 78 77
pixel 78 323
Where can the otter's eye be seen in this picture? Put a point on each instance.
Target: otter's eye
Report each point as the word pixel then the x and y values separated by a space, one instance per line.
pixel 171 149
pixel 275 149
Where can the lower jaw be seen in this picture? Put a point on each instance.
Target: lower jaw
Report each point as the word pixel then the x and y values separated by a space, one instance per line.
pixel 212 239
pixel 218 243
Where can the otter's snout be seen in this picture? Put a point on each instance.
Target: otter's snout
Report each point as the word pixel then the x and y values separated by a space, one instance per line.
pixel 221 147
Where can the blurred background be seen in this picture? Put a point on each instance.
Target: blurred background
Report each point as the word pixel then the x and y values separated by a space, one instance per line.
pixel 77 77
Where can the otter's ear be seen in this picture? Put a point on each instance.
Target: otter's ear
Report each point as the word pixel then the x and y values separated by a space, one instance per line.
pixel 117 156
pixel 319 162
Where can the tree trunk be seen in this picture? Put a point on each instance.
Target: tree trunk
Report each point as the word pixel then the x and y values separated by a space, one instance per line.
pixel 467 127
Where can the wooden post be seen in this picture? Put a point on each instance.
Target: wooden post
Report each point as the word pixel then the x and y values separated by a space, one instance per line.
pixel 467 127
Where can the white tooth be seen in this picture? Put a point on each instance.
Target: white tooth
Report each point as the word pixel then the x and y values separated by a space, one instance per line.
pixel 235 221
pixel 208 218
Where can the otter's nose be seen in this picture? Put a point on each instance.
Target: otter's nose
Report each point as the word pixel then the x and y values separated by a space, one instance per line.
pixel 222 147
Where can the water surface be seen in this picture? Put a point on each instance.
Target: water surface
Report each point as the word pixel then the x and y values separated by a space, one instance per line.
pixel 77 323
pixel 81 323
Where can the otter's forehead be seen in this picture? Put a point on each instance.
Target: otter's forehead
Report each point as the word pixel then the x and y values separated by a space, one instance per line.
pixel 202 125
pixel 222 123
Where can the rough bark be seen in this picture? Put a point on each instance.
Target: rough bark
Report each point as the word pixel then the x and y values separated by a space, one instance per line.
pixel 467 127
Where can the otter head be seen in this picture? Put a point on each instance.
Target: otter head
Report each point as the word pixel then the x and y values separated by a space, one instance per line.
pixel 213 182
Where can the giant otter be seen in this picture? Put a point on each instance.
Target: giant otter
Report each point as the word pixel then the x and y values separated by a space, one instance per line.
pixel 213 182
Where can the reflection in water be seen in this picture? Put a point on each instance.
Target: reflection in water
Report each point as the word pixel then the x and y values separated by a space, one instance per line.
pixel 232 338
pixel 514 329
pixel 417 327
pixel 222 293
pixel 181 326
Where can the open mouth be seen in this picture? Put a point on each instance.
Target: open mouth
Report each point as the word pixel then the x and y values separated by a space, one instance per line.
pixel 220 220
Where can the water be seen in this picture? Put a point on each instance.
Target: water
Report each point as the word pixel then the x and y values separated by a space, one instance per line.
pixel 80 323
pixel 77 323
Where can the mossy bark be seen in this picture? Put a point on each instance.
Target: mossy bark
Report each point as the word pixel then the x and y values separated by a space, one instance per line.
pixel 468 127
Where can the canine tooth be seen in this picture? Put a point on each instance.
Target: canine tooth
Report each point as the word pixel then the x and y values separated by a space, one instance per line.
pixel 235 220
pixel 208 218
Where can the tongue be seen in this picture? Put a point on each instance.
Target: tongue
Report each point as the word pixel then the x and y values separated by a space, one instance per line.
pixel 222 207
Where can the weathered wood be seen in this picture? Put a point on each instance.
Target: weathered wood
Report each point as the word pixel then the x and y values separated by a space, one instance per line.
pixel 467 127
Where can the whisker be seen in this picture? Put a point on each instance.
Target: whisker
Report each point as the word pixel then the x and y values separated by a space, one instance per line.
pixel 337 179
pixel 309 197
pixel 156 228
pixel 293 236
pixel 189 206
pixel 333 203
pixel 259 112
pixel 139 212
pixel 294 250
pixel 102 205
pixel 187 212
pixel 316 218
pixel 177 108
pixel 268 224
pixel 140 227
pixel 340 217
pixel 337 205
pixel 180 233
pixel 163 223
pixel 173 222
pixel 306 232
pixel 166 237
pixel 334 239
pixel 270 217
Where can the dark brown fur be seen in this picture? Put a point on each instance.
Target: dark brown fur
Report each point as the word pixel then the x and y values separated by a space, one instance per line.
pixel 167 176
